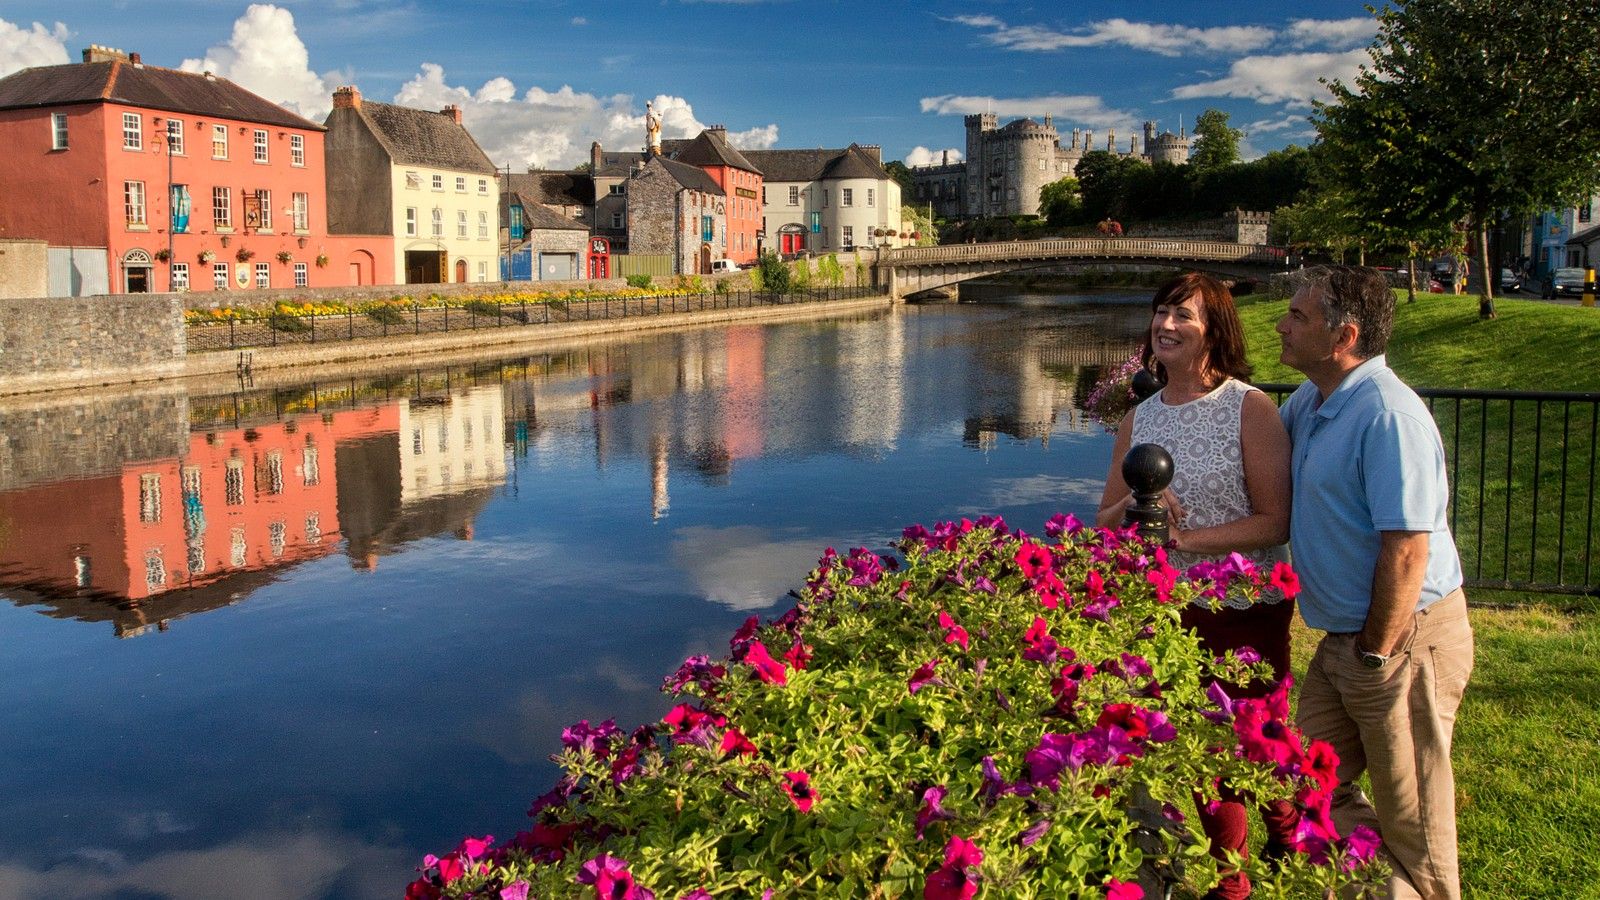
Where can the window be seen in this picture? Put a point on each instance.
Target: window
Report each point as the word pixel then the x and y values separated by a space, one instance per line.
pixel 824 198
pixel 616 220
pixel 1041 164
pixel 180 276
pixel 219 276
pixel 300 274
pixel 847 237
pixel 483 225
pixel 438 182
pixel 133 203
pixel 219 142
pixel 847 197
pixel 181 207
pixel 233 488
pixel 222 208
pixel 150 498
pixel 237 546
pixel 132 132
pixel 461 184
pixel 483 186
pixel 461 223
pixel 483 270
pixel 277 537
pixel 794 195
pixel 411 221
pixel 438 222
pixel 313 528
pixel 263 275
pixel 615 190
pixel 816 223
pixel 58 131
pixel 264 199
pixel 175 137
pixel 82 571
pixel 297 150
pixel 302 211
pixel 869 196
pixel 310 464
pixel 261 146
pixel 414 181
pixel 155 570
pixel 708 228
pixel 514 221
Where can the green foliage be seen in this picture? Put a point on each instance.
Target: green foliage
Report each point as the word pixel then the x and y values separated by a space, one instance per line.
pixel 480 307
pixel 638 281
pixel 386 314
pixel 885 684
pixel 920 220
pixel 829 272
pixel 721 288
pixel 901 173
pixel 287 323
pixel 1216 145
pixel 800 277
pixel 771 274
pixel 691 284
pixel 1059 203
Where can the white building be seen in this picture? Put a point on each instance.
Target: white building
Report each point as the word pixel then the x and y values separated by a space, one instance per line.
pixel 820 201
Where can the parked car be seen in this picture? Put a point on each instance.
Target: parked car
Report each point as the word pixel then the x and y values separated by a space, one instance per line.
pixel 1510 281
pixel 1565 282
pixel 723 266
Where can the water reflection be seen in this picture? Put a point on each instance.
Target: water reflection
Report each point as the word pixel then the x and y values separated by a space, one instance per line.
pixel 413 579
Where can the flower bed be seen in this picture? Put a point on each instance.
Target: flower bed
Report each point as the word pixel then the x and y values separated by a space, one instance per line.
pixel 436 301
pixel 986 712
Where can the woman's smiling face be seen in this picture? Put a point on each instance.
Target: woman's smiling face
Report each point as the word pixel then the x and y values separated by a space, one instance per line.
pixel 1178 333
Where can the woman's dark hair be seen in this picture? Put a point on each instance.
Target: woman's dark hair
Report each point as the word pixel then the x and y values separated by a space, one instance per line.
pixel 1224 334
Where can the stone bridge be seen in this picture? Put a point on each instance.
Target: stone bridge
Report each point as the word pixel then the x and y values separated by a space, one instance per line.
pixel 911 270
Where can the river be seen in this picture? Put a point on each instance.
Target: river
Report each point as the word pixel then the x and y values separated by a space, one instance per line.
pixel 280 642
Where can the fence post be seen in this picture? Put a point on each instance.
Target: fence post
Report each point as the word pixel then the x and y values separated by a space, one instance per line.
pixel 350 322
pixel 446 305
pixel 524 306
pixel 416 316
pixel 313 319
pixel 233 340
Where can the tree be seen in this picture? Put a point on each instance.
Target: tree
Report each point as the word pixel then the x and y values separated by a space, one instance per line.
pixel 1469 110
pixel 920 220
pixel 1058 201
pixel 1216 146
pixel 1104 182
pixel 899 172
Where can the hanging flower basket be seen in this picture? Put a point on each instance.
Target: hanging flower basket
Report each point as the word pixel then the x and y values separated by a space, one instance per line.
pixel 322 260
pixel 245 254
pixel 163 255
pixel 285 257
pixel 206 256
pixel 916 235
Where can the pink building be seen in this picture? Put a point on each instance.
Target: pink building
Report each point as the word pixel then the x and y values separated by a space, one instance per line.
pixel 188 181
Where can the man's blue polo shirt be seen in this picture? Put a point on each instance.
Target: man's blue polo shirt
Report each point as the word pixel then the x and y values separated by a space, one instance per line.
pixel 1366 460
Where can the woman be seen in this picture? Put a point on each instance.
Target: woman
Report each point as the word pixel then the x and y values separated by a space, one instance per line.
pixel 1229 493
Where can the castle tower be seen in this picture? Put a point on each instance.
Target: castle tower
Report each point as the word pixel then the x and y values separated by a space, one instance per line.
pixel 979 128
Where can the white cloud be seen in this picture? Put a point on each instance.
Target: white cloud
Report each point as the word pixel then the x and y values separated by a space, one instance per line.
pixel 1166 40
pixel 1338 34
pixel 265 55
pixel 37 46
pixel 922 156
pixel 553 129
pixel 1293 79
pixel 1268 126
pixel 579 20
pixel 1077 109
pixel 743 567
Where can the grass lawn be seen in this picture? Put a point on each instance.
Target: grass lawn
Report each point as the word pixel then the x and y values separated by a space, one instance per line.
pixel 1527 740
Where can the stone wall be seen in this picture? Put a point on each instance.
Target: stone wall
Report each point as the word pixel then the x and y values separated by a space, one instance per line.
pixel 78 436
pixel 263 298
pixel 24 269
pixel 69 341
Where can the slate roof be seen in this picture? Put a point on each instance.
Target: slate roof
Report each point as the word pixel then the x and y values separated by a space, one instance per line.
pixel 145 86
pixel 556 188
pixel 538 217
pixel 420 137
pixel 816 165
pixel 711 148
pixel 618 164
pixel 690 177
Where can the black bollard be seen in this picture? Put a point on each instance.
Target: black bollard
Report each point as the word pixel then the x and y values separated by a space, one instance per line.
pixel 1148 470
pixel 1145 384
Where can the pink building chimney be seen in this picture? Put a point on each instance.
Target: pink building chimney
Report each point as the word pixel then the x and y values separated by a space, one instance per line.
pixel 452 112
pixel 346 97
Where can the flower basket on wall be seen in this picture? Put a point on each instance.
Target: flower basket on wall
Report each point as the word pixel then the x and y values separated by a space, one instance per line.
pixel 322 260
pixel 245 254
pixel 163 255
pixel 285 257
pixel 206 256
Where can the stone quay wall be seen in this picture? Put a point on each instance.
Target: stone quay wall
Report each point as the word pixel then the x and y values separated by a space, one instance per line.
pixel 81 434
pixel 67 342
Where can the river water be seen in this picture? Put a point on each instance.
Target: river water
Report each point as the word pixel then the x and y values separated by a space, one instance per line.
pixel 279 643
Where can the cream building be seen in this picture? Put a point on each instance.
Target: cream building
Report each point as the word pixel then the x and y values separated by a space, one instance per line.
pixel 419 176
pixel 821 201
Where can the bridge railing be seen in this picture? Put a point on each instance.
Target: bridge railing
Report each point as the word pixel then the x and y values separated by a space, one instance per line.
pixel 1107 248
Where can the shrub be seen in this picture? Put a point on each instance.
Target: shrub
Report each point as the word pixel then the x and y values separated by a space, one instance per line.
pixel 770 274
pixel 721 287
pixel 638 281
pixel 691 284
pixel 481 307
pixel 800 279
pixel 386 314
pixel 287 323
pixel 987 710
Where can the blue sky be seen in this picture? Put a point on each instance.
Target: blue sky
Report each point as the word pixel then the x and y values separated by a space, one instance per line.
pixel 539 80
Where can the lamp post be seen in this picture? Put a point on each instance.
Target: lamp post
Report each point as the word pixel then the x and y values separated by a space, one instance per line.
pixel 167 139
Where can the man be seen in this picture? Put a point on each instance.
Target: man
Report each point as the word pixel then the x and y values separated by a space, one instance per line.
pixel 1379 573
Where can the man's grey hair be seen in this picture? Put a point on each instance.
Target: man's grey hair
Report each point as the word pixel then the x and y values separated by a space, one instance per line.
pixel 1353 294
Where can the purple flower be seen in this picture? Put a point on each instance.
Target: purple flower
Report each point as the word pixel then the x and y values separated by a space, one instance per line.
pixel 865 567
pixel 1218 695
pixel 517 890
pixel 1360 846
pixel 932 809
pixel 1032 835
pixel 1247 655
pixel 924 676
pixel 1059 524
pixel 697 669
pixel 590 739
pixel 995 785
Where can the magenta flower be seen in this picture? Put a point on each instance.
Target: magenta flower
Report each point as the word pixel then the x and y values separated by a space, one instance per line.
pixel 474 848
pixel 767 669
pixel 953 633
pixel 924 676
pixel 1059 524
pixel 1360 846
pixel 956 879
pixel 734 743
pixel 865 567
pixel 1032 835
pixel 1064 687
pixel 1284 579
pixel 1050 589
pixel 798 655
pixel 691 724
pixel 798 786
pixel 611 879
pixel 1034 559
pixel 583 737
pixel 1041 646
pixel 932 809
pixel 697 894
pixel 626 765
pixel 1123 890
pixel 699 670
pixel 743 636
pixel 516 890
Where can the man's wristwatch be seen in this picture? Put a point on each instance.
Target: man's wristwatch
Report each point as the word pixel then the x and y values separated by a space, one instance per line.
pixel 1369 659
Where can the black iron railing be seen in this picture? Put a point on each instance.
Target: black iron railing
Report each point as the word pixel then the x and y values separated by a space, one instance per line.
pixel 282 329
pixel 1522 468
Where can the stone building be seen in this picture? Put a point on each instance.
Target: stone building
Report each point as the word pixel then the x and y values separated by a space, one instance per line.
pixel 676 209
pixel 1006 166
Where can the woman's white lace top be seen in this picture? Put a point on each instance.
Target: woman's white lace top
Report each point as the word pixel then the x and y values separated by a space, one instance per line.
pixel 1207 467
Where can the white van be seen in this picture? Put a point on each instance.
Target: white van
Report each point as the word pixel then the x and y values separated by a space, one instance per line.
pixel 723 266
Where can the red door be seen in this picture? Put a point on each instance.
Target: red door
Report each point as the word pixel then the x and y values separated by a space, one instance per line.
pixel 461 271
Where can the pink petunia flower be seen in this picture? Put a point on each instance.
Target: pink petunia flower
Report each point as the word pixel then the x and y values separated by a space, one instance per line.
pixel 516 890
pixel 932 809
pixel 767 669
pixel 956 879
pixel 1284 579
pixel 611 879
pixel 798 786
pixel 953 633
pixel 1123 890
pixel 734 743
pixel 1034 559
pixel 924 676
pixel 798 656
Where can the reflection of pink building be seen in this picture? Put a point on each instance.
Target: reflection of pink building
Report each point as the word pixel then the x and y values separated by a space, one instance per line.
pixel 744 407
pixel 240 500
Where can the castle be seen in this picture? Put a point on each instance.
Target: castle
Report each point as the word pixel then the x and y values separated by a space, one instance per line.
pixel 1005 167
